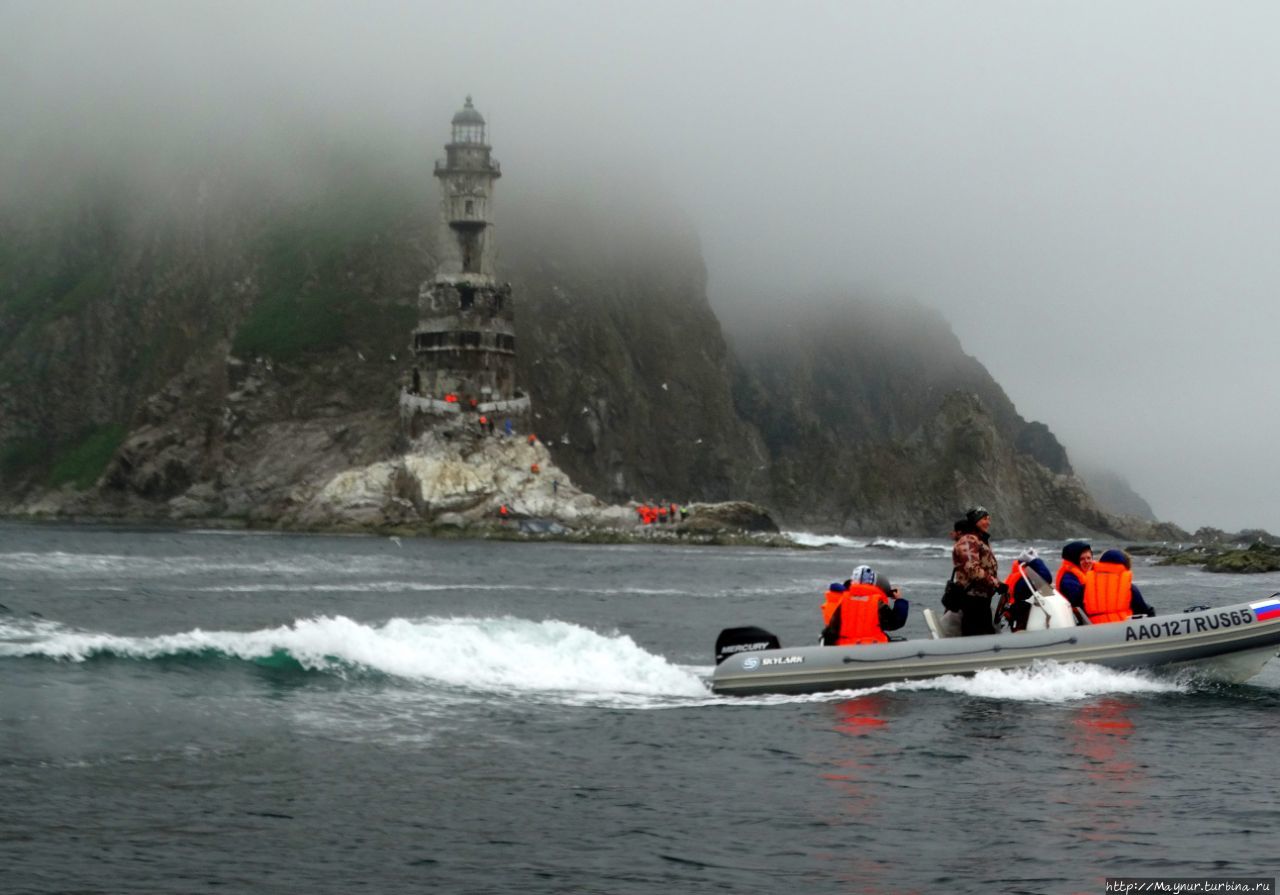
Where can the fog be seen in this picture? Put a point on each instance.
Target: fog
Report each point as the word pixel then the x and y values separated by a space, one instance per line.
pixel 1087 191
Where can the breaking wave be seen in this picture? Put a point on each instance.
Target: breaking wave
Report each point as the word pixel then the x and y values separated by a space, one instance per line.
pixel 499 654
pixel 810 539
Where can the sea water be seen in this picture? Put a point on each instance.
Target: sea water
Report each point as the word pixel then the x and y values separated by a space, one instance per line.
pixel 190 711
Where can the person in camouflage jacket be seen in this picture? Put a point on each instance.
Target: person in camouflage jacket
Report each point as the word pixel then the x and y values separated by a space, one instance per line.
pixel 976 573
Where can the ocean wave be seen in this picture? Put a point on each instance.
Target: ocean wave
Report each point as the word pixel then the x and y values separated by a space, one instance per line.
pixel 392 587
pixel 896 544
pixel 76 564
pixel 495 654
pixel 811 539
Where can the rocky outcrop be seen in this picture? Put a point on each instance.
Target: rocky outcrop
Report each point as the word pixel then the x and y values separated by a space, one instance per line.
pixel 242 364
pixel 458 478
pixel 1217 556
pixel 730 516
pixel 874 417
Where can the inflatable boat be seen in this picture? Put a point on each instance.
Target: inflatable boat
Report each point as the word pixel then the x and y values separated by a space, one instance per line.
pixel 1229 643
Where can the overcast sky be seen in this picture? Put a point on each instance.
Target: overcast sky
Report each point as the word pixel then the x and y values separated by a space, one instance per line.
pixel 1088 191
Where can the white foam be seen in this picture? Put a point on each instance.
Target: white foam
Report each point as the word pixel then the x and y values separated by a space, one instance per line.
pixel 78 564
pixel 810 539
pixel 1044 682
pixel 1047 682
pixel 501 654
pixel 892 544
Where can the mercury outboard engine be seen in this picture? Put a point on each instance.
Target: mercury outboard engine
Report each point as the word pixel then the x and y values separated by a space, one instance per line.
pixel 743 640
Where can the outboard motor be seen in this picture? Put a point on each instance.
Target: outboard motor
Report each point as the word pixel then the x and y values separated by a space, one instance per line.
pixel 743 640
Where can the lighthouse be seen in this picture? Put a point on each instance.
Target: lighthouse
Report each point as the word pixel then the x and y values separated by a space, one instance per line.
pixel 464 345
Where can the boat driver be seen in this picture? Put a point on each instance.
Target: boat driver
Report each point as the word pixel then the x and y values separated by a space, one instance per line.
pixel 861 609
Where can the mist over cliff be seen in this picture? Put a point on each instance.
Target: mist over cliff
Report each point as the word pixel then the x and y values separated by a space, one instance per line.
pixel 208 286
pixel 214 346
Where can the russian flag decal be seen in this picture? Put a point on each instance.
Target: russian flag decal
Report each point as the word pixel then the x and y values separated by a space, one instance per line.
pixel 1267 609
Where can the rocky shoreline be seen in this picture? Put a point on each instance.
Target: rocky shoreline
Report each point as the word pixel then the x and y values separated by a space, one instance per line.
pixel 1239 557
pixel 454 481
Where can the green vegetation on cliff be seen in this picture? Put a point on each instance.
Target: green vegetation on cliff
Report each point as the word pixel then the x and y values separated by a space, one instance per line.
pixel 864 417
pixel 82 463
pixel 78 463
pixel 310 300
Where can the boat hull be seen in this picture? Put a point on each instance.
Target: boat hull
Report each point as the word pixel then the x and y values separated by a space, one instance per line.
pixel 1228 643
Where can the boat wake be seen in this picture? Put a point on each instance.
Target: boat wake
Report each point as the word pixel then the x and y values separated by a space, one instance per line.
pixel 492 654
pixel 1048 682
pixel 550 660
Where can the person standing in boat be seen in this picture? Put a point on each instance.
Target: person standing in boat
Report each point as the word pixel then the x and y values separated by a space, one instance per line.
pixel 861 609
pixel 1111 595
pixel 976 573
pixel 1075 575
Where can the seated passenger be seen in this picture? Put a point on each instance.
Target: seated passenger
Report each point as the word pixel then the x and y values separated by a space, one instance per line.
pixel 1028 567
pixel 1074 574
pixel 1110 595
pixel 861 609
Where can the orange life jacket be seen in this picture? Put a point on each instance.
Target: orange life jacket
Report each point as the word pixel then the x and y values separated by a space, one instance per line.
pixel 1015 575
pixel 1109 595
pixel 859 606
pixel 1085 578
pixel 1010 582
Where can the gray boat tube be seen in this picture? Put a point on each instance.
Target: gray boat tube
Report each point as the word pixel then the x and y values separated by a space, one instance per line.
pixel 1229 643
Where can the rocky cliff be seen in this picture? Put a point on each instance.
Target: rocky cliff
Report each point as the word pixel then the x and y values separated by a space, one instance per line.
pixel 875 418
pixel 236 356
pixel 231 365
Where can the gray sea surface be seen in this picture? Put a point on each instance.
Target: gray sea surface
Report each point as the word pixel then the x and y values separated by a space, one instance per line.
pixel 187 711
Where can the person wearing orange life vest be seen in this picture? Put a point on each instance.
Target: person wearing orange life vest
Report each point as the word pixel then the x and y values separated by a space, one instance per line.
pixel 1110 595
pixel 1028 566
pixel 1075 574
pixel 861 609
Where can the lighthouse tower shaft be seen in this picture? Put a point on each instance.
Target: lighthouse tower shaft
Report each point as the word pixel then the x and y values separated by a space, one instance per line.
pixel 465 342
